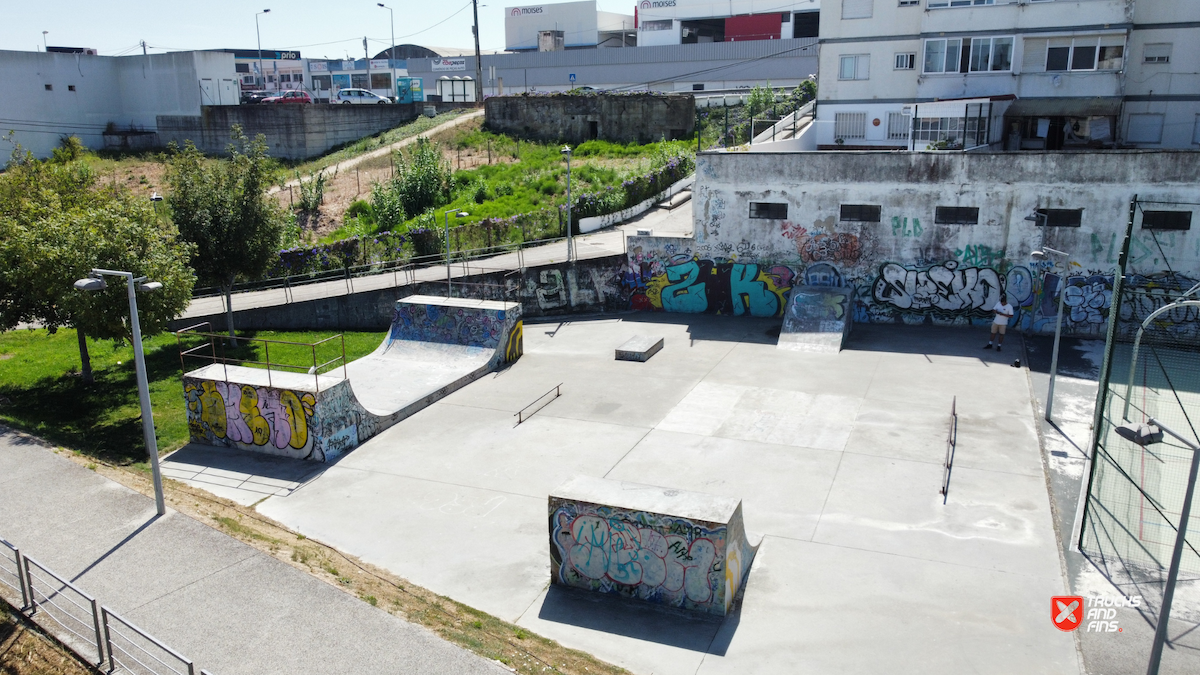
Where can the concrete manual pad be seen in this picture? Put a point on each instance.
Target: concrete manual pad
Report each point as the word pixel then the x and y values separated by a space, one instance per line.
pixel 639 348
pixel 837 458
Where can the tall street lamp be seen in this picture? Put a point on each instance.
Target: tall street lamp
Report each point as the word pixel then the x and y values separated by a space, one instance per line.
pixel 566 152
pixel 95 282
pixel 460 214
pixel 258 34
pixel 1147 434
pixel 1044 253
pixel 392 51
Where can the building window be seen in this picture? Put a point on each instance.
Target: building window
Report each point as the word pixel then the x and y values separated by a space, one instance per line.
pixel 956 215
pixel 1088 53
pixel 857 67
pixel 934 4
pixel 70 87
pixel 241 67
pixel 942 56
pixel 949 133
pixel 906 61
pixel 898 126
pixel 850 125
pixel 665 24
pixel 384 81
pixel 320 82
pixel 991 54
pixel 910 3
pixel 358 81
pixel 1166 220
pixel 968 55
pixel 49 87
pixel 768 210
pixel 859 213
pixel 858 9
pixel 1059 217
pixel 1196 131
pixel 697 87
pixel 1157 53
pixel 1145 128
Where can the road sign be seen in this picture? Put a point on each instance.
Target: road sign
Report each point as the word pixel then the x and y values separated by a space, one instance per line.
pixel 572 78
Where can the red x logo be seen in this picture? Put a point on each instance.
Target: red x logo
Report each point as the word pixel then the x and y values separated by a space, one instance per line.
pixel 1066 611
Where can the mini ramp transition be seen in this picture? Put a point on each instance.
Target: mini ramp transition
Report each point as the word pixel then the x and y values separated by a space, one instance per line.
pixel 434 347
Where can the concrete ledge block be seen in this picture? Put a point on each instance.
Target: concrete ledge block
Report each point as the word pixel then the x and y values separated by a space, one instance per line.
pixel 639 348
pixel 671 547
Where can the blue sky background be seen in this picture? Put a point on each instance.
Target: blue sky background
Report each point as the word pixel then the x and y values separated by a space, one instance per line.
pixel 318 28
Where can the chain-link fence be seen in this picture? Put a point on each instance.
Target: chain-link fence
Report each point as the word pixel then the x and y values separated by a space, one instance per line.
pixel 1151 369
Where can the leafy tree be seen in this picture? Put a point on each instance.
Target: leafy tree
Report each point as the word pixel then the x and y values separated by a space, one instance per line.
pixel 56 224
pixel 222 208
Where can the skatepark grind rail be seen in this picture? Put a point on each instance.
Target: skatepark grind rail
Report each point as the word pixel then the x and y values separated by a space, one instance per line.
pixel 524 413
pixel 951 446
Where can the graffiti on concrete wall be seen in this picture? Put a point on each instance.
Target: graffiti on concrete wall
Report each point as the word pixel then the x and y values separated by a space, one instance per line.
pixel 945 289
pixel 641 555
pixel 279 421
pixel 695 286
pixel 819 246
pixel 514 347
pixel 447 325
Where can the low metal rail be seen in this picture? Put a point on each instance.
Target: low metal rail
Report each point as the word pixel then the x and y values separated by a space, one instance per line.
pixel 128 646
pixel 525 413
pixel 213 339
pixel 951 446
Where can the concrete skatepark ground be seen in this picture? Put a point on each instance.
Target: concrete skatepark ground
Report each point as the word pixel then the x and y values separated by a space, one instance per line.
pixel 837 458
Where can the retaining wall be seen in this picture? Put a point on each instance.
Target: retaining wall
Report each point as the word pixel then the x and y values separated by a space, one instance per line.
pixel 640 118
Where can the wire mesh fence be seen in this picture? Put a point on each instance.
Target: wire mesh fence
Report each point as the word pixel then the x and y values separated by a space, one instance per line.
pixel 1151 370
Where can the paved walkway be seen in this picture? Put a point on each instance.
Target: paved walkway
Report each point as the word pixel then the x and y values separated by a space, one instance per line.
pixel 663 221
pixel 229 607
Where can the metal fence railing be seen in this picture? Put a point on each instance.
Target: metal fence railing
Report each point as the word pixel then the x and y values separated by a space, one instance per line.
pixel 97 634
pixel 136 651
pixel 212 351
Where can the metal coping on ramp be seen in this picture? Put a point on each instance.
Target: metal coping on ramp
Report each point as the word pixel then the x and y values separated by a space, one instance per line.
pixel 434 347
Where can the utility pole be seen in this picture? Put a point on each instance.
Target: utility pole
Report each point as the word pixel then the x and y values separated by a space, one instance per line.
pixel 478 62
pixel 367 56
pixel 392 51
pixel 143 48
pixel 258 34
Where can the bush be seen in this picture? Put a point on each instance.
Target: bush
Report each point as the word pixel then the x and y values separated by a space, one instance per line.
pixel 422 179
pixel 312 192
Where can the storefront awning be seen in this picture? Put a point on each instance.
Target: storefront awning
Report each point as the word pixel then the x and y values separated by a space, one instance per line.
pixel 1065 107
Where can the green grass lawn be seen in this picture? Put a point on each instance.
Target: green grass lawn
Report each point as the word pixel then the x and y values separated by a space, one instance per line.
pixel 41 391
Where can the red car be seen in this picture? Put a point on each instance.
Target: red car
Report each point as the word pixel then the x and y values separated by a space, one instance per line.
pixel 297 96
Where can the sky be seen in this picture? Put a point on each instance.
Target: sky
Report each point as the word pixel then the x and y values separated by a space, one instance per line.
pixel 318 28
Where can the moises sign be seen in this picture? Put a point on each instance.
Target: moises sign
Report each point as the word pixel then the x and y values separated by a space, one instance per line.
pixel 519 11
pixel 648 4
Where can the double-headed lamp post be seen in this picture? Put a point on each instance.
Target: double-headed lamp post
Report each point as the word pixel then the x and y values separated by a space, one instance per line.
pixel 459 214
pixel 1042 254
pixel 95 282
pixel 392 52
pixel 566 152
pixel 258 34
pixel 1147 434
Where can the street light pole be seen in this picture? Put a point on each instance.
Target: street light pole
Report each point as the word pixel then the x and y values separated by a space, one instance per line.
pixel 44 47
pixel 460 214
pixel 566 151
pixel 392 52
pixel 258 34
pixel 1062 294
pixel 478 61
pixel 1143 434
pixel 95 282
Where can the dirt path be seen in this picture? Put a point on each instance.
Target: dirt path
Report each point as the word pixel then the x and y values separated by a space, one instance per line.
pixel 384 151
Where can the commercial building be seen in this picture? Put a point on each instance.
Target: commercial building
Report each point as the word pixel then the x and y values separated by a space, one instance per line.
pixel 566 25
pixel 105 99
pixel 1010 74
pixel 673 22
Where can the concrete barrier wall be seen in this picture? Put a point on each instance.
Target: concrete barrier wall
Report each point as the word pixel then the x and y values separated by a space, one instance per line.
pixel 908 268
pixel 640 118
pixel 292 131
pixel 590 286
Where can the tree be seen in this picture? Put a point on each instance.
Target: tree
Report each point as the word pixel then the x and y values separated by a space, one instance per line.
pixel 57 224
pixel 222 208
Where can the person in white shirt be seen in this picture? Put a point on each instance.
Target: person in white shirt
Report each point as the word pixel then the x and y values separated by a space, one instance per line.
pixel 1003 312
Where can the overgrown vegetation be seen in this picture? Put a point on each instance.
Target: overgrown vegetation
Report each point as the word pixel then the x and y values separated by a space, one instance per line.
pixel 722 127
pixel 416 127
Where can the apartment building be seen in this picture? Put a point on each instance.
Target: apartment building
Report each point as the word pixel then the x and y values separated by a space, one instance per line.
pixel 1009 74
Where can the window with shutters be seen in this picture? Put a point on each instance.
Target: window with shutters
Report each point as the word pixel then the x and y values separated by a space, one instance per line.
pixel 1166 220
pixel 858 9
pixel 898 126
pixel 1145 128
pixel 1157 53
pixel 956 215
pixel 850 125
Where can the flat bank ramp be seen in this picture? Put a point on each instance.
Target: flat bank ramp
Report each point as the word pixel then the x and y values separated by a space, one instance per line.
pixel 816 319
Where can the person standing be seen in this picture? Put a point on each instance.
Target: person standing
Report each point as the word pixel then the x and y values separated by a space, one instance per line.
pixel 1003 312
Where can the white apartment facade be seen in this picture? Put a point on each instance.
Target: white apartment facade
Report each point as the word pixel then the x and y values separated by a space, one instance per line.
pixel 1009 74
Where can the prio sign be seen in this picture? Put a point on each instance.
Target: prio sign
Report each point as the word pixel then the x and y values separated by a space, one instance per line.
pixel 648 4
pixel 518 11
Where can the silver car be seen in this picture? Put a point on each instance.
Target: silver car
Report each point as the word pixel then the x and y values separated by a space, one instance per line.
pixel 358 96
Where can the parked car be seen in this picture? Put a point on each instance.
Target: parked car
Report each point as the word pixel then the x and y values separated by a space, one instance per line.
pixel 297 96
pixel 358 96
pixel 254 97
